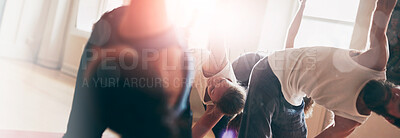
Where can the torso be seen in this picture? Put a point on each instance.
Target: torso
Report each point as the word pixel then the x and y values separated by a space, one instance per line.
pixel 317 71
pixel 361 108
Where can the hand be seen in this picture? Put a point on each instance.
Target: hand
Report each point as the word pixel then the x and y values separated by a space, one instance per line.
pixel 302 2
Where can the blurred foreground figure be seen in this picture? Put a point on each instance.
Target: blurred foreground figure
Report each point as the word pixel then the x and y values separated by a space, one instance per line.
pixel 134 77
pixel 350 83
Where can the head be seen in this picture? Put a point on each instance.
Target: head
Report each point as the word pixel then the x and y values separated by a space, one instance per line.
pixel 228 96
pixel 383 98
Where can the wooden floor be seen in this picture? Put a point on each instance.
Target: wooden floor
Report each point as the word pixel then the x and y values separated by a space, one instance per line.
pixel 35 101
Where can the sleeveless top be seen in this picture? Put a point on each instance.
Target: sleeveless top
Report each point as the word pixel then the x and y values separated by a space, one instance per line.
pixel 200 81
pixel 328 75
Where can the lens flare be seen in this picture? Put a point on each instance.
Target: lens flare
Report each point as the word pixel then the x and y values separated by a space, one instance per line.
pixel 229 134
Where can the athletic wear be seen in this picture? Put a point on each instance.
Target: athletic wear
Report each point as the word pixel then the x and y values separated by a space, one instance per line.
pixel 200 81
pixel 130 101
pixel 243 65
pixel 267 113
pixel 328 75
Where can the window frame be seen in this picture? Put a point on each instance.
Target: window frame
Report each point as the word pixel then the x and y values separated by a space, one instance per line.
pixel 101 6
pixel 336 21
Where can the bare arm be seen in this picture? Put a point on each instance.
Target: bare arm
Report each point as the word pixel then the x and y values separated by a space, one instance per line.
pixel 294 27
pixel 209 119
pixel 144 18
pixel 218 59
pixel 377 55
pixel 342 128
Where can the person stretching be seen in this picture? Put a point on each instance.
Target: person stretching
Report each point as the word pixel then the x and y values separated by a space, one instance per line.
pixel 350 83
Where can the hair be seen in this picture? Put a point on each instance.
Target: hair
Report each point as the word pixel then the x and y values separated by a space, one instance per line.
pixel 232 101
pixel 308 107
pixel 376 95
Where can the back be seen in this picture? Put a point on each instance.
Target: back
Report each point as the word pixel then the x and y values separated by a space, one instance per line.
pixel 138 89
pixel 328 75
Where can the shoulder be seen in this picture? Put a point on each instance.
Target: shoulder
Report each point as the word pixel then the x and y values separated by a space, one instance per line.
pixel 369 59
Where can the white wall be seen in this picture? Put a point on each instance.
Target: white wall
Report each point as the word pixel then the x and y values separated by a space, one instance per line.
pixel 278 15
pixel 75 40
pixel 21 28
pixel 247 27
pixel 52 46
pixel 33 30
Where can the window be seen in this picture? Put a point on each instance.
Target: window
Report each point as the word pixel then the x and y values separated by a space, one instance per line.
pixel 89 11
pixel 181 12
pixel 327 23
pixel 196 14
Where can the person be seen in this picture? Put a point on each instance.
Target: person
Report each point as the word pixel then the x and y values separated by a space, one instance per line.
pixel 349 83
pixel 215 83
pixel 134 77
pixel 218 91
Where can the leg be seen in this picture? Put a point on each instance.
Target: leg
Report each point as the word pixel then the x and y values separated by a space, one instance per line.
pixel 261 103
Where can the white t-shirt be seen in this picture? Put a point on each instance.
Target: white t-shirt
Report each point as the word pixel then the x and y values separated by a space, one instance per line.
pixel 328 75
pixel 200 81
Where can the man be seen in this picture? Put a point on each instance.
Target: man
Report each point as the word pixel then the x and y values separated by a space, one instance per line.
pixel 347 82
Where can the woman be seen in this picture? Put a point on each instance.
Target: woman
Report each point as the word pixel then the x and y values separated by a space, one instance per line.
pixel 215 81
